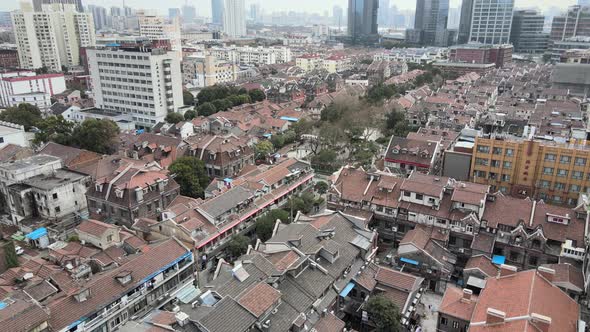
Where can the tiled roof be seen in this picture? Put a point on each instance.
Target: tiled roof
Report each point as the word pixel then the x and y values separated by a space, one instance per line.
pixel 397 279
pixel 329 323
pixel 259 298
pixel 483 263
pixel 454 305
pixel 94 227
pixel 228 315
pixel 22 315
pixel 566 276
pixel 425 184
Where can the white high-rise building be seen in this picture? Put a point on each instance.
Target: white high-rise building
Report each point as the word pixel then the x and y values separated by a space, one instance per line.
pixel 52 37
pixel 491 21
pixel 156 27
pixel 145 83
pixel 234 18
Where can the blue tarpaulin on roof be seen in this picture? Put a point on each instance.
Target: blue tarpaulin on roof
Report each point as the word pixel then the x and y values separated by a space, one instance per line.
pixel 3 305
pixel 409 261
pixel 267 135
pixel 497 259
pixel 227 180
pixel 347 289
pixel 36 234
pixel 113 45
pixel 288 118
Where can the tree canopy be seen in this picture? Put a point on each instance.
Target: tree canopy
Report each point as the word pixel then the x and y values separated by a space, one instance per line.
pixel 10 255
pixel 174 118
pixel 24 114
pixel 206 109
pixel 384 314
pixel 263 149
pixel 100 136
pixel 55 129
pixel 191 175
pixel 266 223
pixel 190 114
pixel 188 98
pixel 238 245
pixel 256 95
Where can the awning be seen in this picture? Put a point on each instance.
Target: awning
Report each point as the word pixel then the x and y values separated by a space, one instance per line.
pixel 188 294
pixel 36 234
pixel 347 289
pixel 409 261
pixel 476 282
pixel 497 259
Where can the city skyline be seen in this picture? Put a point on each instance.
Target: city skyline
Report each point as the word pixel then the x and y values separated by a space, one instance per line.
pixel 203 7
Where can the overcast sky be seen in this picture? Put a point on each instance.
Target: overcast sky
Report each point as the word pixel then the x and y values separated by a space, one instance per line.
pixel 318 6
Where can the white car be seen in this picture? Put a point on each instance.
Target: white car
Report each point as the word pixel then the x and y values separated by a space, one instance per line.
pixel 19 250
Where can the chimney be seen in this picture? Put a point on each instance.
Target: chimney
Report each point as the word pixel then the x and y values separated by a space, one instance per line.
pixel 543 323
pixel 507 270
pixel 467 293
pixel 495 316
pixel 546 272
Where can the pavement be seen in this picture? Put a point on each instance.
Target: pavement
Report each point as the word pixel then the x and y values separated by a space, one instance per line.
pixel 429 317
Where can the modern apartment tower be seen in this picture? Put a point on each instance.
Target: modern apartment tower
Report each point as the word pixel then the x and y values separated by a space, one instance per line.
pixel 155 27
pixel 491 21
pixel 575 22
pixel 465 21
pixel 527 32
pixel 430 22
pixel 145 83
pixel 234 18
pixel 362 20
pixel 52 37
pixel 217 12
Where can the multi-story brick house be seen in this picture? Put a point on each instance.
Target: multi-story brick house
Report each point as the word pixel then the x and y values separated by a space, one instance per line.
pixel 224 156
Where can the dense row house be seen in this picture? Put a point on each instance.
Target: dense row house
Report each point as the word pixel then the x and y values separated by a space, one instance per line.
pixel 438 223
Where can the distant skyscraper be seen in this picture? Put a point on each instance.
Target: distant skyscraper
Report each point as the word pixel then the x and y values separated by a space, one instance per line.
pixel 583 2
pixel 99 14
pixel 454 17
pixel 362 19
pixel 575 22
pixel 465 21
pixel 527 32
pixel 37 4
pixel 234 18
pixel 217 12
pixel 255 12
pixel 491 21
pixel 430 22
pixel 189 13
pixel 116 11
pixel 384 11
pixel 338 15
pixel 173 13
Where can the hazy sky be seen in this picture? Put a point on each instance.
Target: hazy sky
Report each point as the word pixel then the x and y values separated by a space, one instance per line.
pixel 318 6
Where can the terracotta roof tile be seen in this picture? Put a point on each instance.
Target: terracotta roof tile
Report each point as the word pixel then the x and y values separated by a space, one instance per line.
pixel 259 298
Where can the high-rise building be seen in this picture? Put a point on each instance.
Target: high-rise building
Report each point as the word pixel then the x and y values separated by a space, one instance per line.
pixel 575 22
pixel 173 13
pixel 189 13
pixel 527 32
pixel 465 21
pixel 52 37
pixel 5 20
pixel 430 22
pixel 491 21
pixel 255 12
pixel 38 4
pixel 155 27
pixel 234 18
pixel 454 17
pixel 362 19
pixel 217 12
pixel 147 94
pixel 99 14
pixel 338 16
pixel 383 16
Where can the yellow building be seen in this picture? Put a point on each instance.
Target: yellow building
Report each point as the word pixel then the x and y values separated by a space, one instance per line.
pixel 309 62
pixel 554 172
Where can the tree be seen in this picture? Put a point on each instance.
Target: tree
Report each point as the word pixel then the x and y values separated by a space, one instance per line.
pixel 238 245
pixel 263 149
pixel 391 120
pixel 321 187
pixel 174 118
pixel 266 223
pixel 188 98
pixel 278 141
pixel 96 135
pixel 190 114
pixel 55 129
pixel 206 109
pixel 384 314
pixel 191 175
pixel 256 95
pixel 301 127
pixel 222 104
pixel 26 115
pixel 10 255
pixel 325 160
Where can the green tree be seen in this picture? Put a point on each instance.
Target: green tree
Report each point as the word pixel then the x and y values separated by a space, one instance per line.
pixel 391 120
pixel 301 127
pixel 174 118
pixel 188 98
pixel 223 104
pixel 191 175
pixel 26 115
pixel 190 114
pixel 278 141
pixel 206 109
pixel 326 159
pixel 238 245
pixel 263 149
pixel 321 187
pixel 256 95
pixel 96 135
pixel 55 129
pixel 266 223
pixel 10 255
pixel 384 314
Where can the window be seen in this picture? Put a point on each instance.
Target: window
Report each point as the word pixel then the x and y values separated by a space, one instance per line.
pixel 574 188
pixel 483 148
pixel 544 184
pixel 580 161
pixel 443 320
pixel 507 165
pixel 481 161
pixel 480 174
pixel 565 159
pixel 407 193
pixel 562 173
pixel 57 209
pixel 455 325
pixel 557 199
pixel 495 163
pixel 559 186
pixel 54 195
pixel 505 178
pixel 419 196
pixel 550 157
pixel 577 175
pixel 509 152
pixel 109 238
pixel 497 151
pixel 533 260
pixel 514 256
pixel 548 170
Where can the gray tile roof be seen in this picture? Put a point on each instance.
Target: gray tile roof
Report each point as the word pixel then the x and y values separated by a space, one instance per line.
pixel 227 316
pixel 216 207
